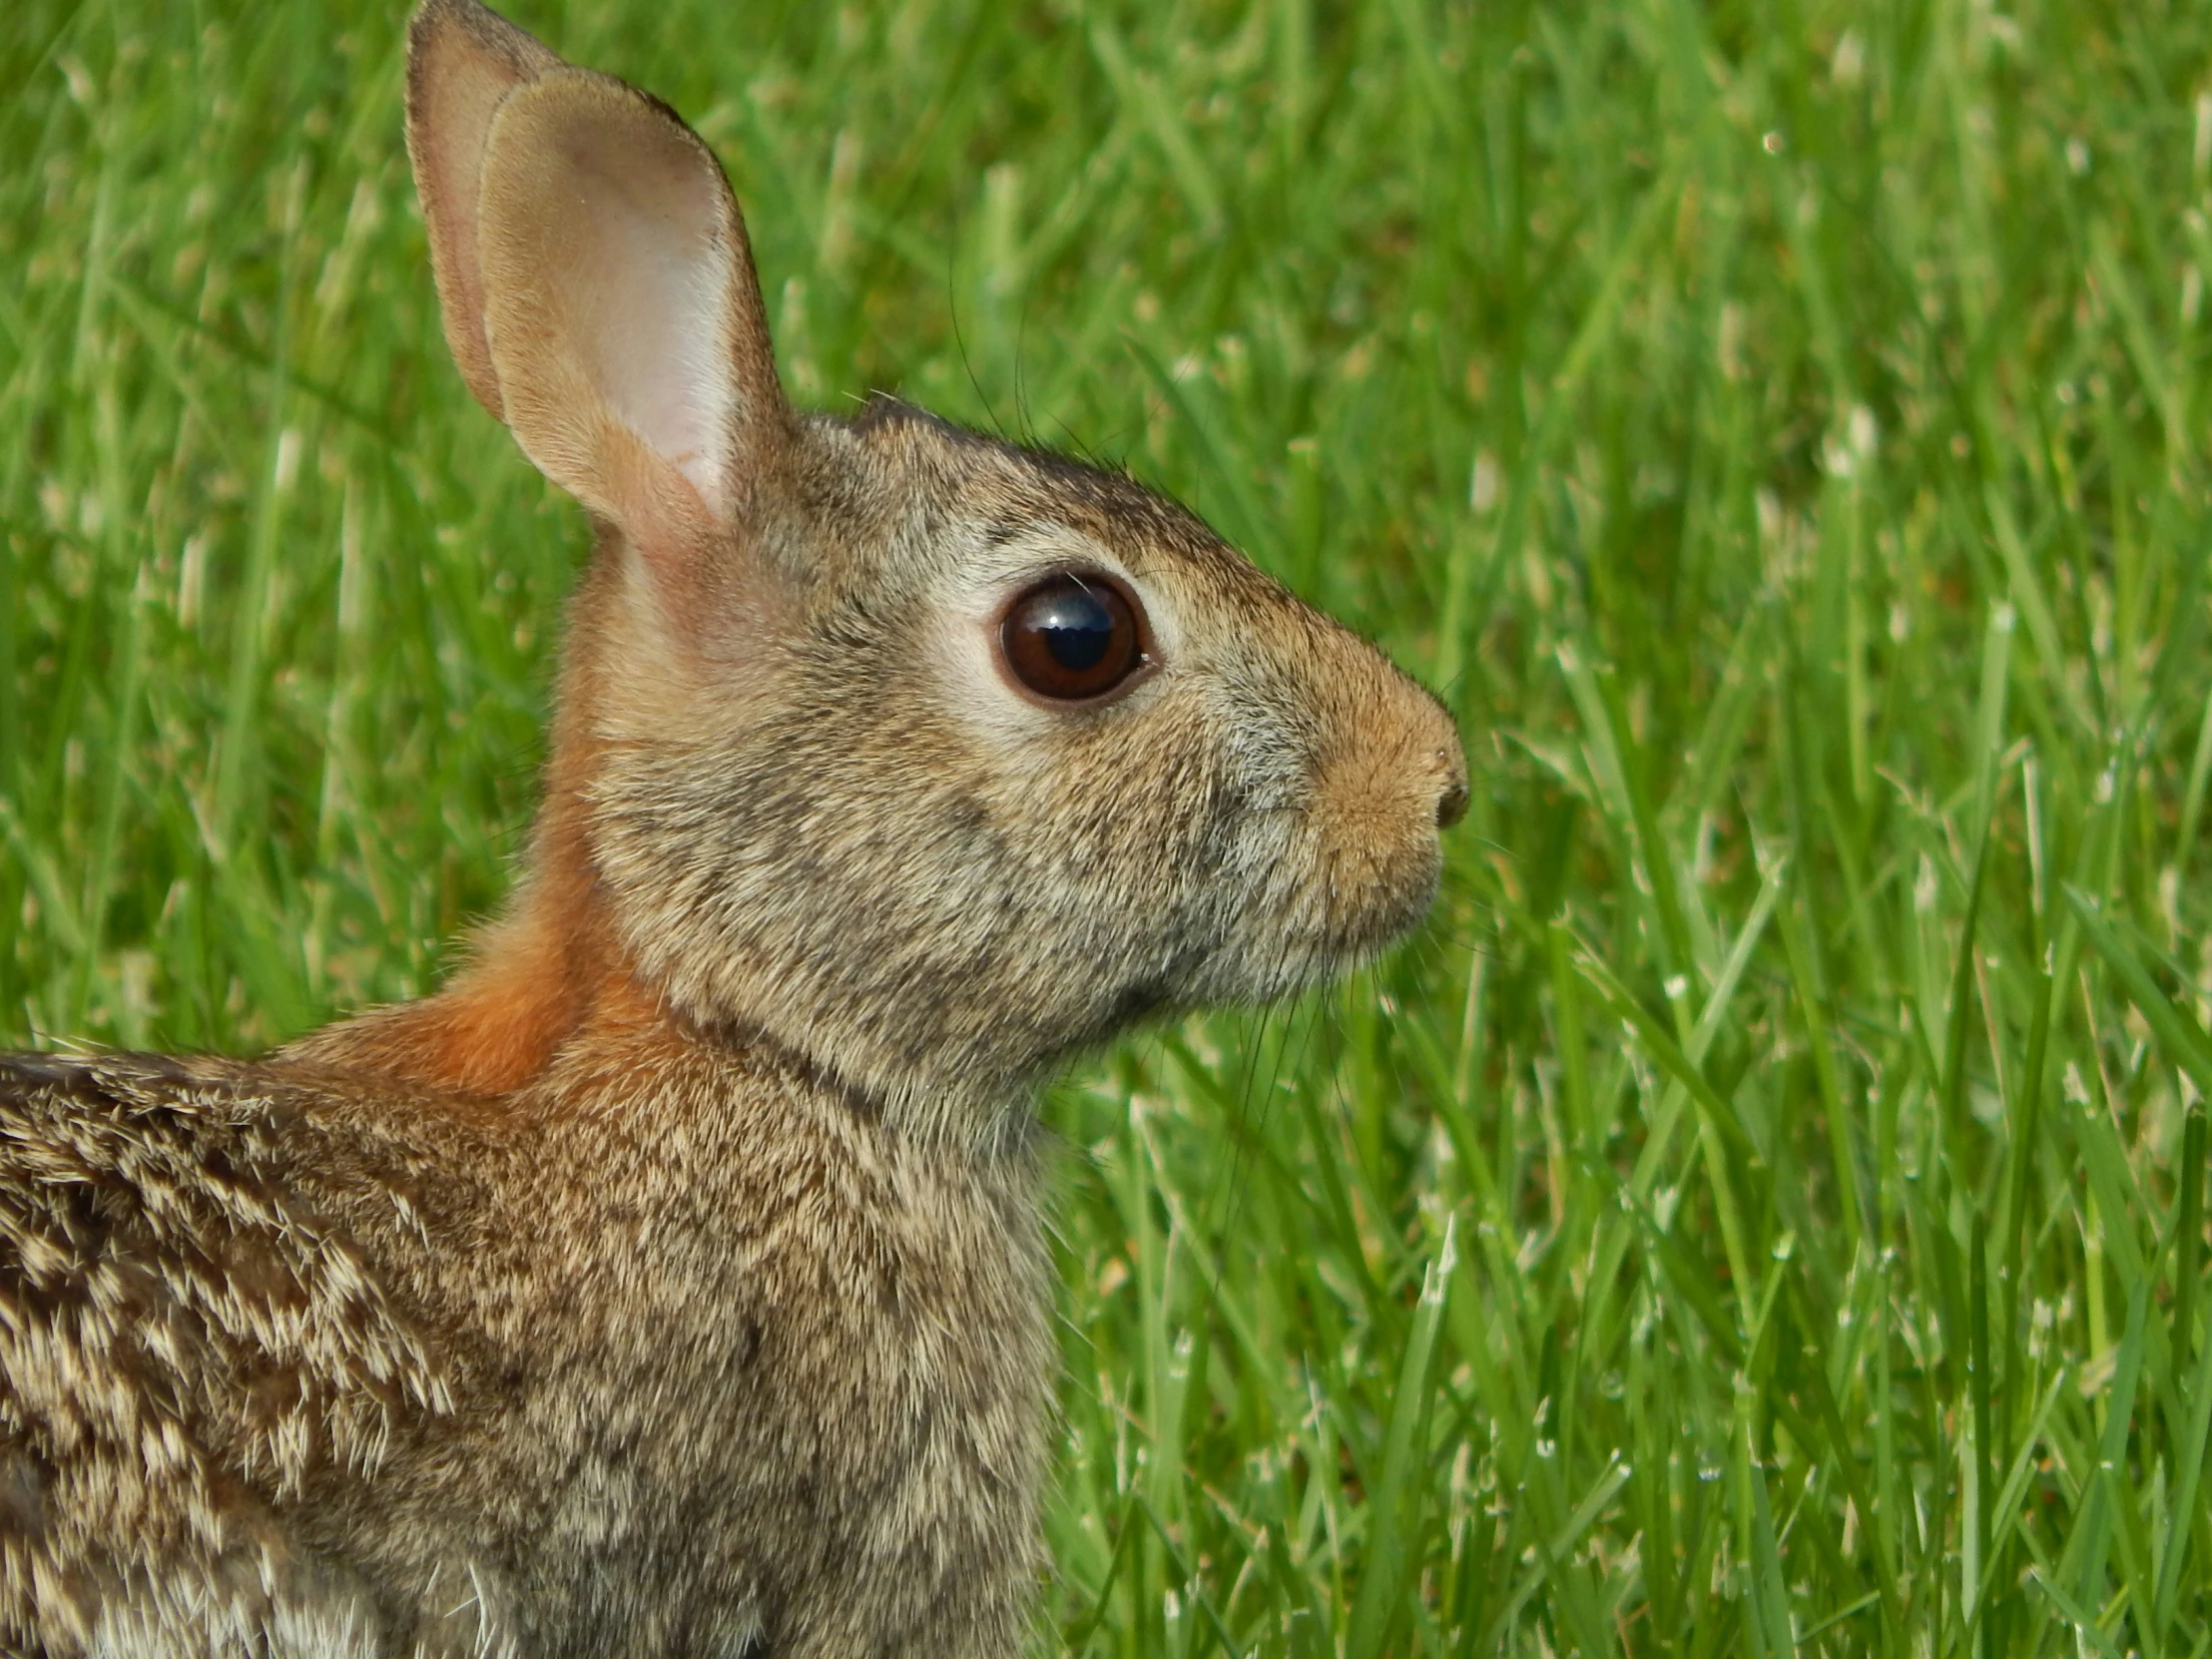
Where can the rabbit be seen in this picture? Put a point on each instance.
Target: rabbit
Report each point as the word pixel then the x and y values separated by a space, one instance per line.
pixel 674 1280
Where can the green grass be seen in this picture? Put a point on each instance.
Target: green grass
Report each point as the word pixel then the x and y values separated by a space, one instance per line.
pixel 1767 1206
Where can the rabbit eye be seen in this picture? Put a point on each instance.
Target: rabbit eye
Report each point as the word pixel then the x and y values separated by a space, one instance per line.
pixel 1072 639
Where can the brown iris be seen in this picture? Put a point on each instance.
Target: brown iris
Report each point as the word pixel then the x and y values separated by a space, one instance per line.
pixel 1072 638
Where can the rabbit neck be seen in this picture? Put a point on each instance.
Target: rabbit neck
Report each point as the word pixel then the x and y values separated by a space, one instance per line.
pixel 573 966
pixel 546 972
pixel 554 975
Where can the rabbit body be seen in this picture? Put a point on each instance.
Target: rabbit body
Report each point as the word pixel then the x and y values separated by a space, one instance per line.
pixel 674 1280
pixel 605 1369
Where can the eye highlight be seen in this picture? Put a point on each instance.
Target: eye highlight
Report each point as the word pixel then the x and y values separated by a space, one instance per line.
pixel 1072 638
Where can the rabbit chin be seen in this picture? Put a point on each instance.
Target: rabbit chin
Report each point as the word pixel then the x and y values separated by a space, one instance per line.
pixel 1326 937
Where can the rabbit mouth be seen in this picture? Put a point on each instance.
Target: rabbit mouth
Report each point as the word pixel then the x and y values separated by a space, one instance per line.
pixel 1359 919
pixel 1321 939
pixel 1139 1001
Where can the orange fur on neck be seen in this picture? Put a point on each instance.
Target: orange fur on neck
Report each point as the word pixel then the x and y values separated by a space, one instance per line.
pixel 545 974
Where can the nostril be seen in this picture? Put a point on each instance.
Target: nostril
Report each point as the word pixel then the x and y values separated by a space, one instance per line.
pixel 1451 806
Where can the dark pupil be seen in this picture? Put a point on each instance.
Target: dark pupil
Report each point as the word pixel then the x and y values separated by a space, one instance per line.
pixel 1077 628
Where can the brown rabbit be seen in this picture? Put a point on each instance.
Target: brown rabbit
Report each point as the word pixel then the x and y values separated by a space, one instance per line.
pixel 674 1281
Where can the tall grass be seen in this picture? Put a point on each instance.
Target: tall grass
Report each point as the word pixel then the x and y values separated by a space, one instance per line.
pixel 1766 1209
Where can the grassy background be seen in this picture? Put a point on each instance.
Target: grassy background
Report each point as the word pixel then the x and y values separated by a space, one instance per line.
pixel 1766 1208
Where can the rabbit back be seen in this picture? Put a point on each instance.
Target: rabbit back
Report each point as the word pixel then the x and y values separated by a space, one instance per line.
pixel 198 1347
pixel 289 1367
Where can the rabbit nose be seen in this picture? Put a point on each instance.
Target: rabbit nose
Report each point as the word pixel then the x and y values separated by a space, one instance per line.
pixel 1451 806
pixel 1449 766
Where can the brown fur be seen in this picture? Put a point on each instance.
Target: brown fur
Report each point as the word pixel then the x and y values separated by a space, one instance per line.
pixel 674 1280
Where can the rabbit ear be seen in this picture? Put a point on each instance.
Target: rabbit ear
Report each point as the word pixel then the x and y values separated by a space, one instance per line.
pixel 462 62
pixel 601 277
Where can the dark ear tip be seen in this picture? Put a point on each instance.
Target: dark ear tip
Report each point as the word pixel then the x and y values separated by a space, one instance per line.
pixel 434 20
pixel 432 16
pixel 433 13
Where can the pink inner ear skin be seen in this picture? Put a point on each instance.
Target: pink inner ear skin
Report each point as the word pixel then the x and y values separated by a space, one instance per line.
pixel 609 245
pixel 651 279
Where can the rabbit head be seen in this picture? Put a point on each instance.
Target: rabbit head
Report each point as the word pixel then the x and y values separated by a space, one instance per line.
pixel 929 757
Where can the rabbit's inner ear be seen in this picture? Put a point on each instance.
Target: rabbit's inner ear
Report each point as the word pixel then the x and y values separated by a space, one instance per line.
pixel 623 316
pixel 648 280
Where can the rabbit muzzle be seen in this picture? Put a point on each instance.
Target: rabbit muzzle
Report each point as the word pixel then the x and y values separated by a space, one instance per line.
pixel 1379 810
